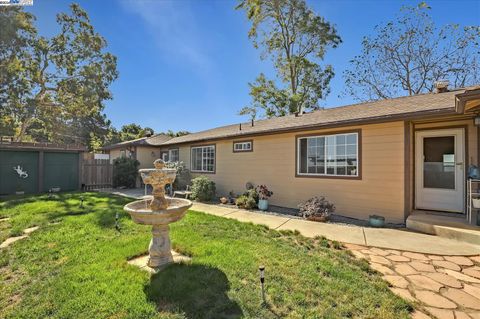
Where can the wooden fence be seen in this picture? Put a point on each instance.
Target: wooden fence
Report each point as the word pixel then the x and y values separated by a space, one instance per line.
pixel 96 174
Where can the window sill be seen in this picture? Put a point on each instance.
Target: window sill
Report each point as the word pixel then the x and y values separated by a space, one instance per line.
pixel 359 177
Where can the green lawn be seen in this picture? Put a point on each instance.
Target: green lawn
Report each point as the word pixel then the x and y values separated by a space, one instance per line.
pixel 75 266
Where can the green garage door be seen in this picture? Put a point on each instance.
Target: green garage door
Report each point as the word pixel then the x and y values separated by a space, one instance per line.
pixel 18 172
pixel 60 170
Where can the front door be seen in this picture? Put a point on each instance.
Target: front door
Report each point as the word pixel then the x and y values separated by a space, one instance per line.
pixel 440 170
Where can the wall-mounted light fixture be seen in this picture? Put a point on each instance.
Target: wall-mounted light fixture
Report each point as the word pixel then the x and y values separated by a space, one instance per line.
pixel 477 120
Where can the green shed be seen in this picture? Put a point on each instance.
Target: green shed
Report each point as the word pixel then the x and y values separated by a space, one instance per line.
pixel 39 167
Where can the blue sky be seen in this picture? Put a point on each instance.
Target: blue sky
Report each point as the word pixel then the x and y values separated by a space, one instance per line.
pixel 185 65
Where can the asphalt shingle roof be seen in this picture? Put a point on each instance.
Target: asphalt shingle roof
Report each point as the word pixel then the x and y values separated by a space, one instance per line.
pixel 356 113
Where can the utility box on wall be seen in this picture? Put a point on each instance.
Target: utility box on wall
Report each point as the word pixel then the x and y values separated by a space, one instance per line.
pixel 39 167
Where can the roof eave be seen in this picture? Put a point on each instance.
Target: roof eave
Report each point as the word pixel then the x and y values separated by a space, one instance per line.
pixel 377 119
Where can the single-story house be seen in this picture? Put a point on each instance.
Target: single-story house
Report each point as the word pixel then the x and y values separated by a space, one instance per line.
pixel 390 157
pixel 145 149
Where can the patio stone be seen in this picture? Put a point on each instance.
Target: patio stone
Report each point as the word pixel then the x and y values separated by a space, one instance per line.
pixel 11 240
pixel 354 247
pixel 433 299
pixel 441 313
pixel 358 254
pixel 475 259
pixel 416 256
pixel 474 315
pixel 424 282
pixel 472 290
pixel 459 260
pixel 378 251
pixel 472 272
pixel 396 281
pixel 460 276
pixel 367 252
pixel 461 315
pixel 404 269
pixel 380 260
pixel 394 252
pixel 445 279
pixel 30 230
pixel 404 293
pixel 382 269
pixel 462 298
pixel 419 315
pixel 435 257
pixel 4 219
pixel 446 264
pixel 397 258
pixel 422 266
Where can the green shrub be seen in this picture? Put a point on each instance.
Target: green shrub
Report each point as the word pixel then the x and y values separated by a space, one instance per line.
pixel 241 200
pixel 247 202
pixel 203 189
pixel 125 172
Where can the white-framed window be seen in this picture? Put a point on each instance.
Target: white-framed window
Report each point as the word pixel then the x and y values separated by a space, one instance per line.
pixel 243 146
pixel 328 155
pixel 203 159
pixel 173 155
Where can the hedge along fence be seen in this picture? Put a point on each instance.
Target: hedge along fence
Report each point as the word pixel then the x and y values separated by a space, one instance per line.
pixel 39 167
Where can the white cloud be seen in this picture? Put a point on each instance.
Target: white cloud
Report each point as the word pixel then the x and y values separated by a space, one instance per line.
pixel 174 29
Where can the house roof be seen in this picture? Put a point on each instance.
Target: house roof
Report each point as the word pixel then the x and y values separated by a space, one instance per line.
pixel 155 140
pixel 383 110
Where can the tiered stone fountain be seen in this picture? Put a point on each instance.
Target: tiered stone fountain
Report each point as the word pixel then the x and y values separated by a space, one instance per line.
pixel 158 212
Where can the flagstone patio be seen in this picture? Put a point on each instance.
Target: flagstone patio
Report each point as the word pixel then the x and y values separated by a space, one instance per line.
pixel 443 286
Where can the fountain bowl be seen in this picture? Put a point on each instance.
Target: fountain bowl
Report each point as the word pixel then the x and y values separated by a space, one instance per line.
pixel 170 173
pixel 142 214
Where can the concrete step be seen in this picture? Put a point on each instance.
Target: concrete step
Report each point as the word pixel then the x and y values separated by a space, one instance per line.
pixel 444 226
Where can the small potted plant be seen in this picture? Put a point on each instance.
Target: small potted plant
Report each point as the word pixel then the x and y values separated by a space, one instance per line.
pixel 376 221
pixel 476 202
pixel 316 209
pixel 232 198
pixel 224 200
pixel 263 195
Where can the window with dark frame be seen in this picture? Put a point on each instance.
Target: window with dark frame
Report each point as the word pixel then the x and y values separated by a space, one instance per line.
pixel 328 155
pixel 243 146
pixel 203 158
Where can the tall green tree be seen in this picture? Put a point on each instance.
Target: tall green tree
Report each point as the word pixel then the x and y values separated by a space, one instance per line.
pixel 406 56
pixel 133 131
pixel 296 39
pixel 54 86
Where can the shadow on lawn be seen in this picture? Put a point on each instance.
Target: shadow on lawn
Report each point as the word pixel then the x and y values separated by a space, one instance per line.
pixel 197 290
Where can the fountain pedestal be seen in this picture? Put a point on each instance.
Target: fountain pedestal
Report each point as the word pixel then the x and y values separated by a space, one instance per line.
pixel 158 212
pixel 159 248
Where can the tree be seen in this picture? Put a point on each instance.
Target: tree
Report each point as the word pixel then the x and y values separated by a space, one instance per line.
pixel 296 39
pixel 133 131
pixel 407 56
pixel 177 134
pixel 53 86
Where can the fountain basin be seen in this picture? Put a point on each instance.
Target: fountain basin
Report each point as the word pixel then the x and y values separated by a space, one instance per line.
pixel 142 214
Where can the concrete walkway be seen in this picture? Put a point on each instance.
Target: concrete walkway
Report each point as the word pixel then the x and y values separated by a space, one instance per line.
pixel 384 238
pixel 374 237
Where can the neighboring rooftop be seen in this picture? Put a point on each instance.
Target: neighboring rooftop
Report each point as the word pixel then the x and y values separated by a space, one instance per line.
pixel 384 110
pixel 154 140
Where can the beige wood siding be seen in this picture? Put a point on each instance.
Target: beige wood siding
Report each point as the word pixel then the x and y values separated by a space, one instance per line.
pixel 147 155
pixel 380 191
